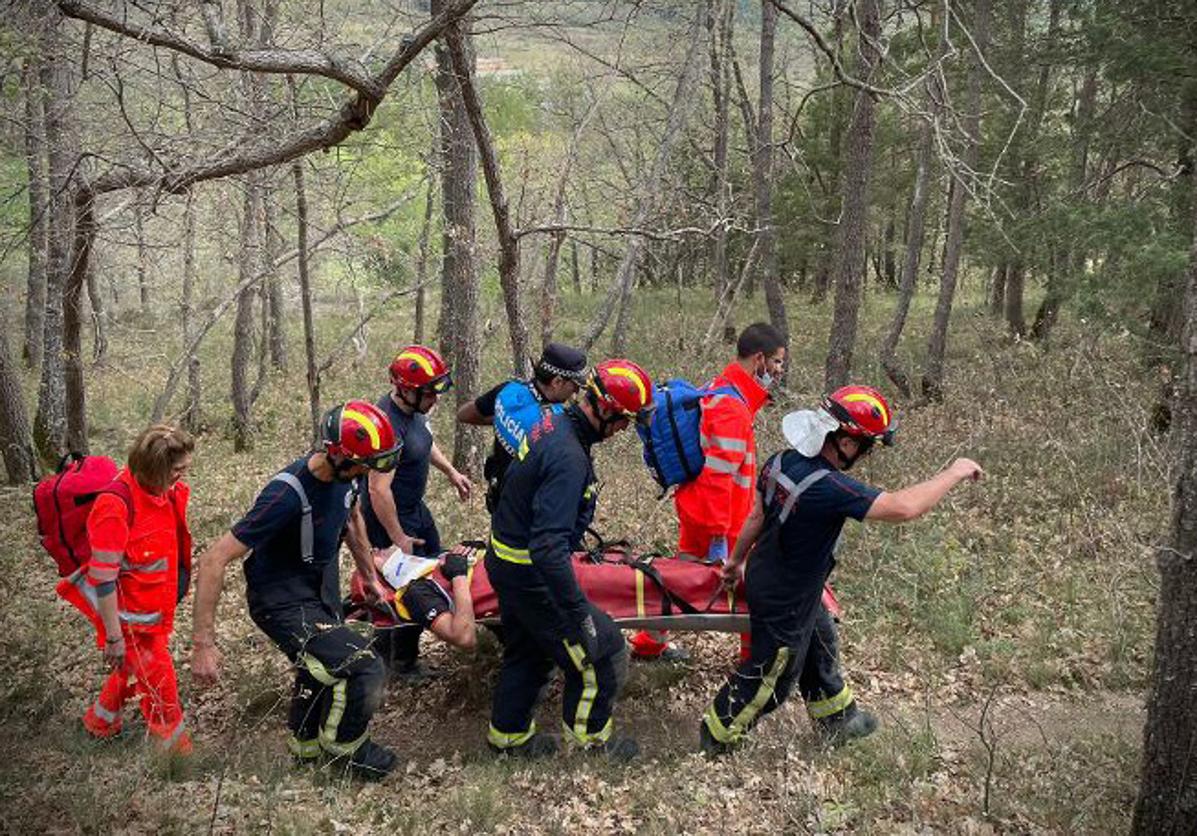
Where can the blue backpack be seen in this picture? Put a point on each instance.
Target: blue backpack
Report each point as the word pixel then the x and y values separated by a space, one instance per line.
pixel 672 449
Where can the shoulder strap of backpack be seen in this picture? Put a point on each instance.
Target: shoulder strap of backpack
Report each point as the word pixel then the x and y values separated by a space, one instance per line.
pixel 774 478
pixel 307 536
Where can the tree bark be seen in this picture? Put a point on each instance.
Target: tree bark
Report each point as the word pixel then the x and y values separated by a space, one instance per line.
pixel 858 161
pixel 193 417
pixel 49 425
pixel 648 194
pixel 462 56
pixel 305 295
pixel 1167 801
pixel 16 442
pixel 458 329
pixel 99 317
pixel 72 315
pixel 422 260
pixel 932 383
pixel 1015 278
pixel 720 20
pixel 35 160
pixel 997 290
pixel 275 306
pixel 143 256
pixel 240 393
pixel 762 170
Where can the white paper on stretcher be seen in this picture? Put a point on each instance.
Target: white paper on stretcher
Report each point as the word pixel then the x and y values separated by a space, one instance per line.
pixel 401 569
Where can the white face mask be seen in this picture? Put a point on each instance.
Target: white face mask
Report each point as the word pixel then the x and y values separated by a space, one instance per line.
pixel 764 378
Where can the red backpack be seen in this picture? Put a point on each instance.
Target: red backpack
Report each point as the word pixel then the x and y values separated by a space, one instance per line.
pixel 63 500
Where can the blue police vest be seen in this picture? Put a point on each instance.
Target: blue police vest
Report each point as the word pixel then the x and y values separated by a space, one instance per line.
pixel 518 410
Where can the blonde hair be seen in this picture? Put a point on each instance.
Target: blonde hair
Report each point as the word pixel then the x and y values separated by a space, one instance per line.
pixel 156 452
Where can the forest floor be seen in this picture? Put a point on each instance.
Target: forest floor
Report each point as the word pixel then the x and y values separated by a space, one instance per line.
pixel 1004 641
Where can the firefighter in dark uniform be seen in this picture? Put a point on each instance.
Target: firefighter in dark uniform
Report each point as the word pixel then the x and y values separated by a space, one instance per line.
pixel 802 499
pixel 547 502
pixel 515 406
pixel 292 586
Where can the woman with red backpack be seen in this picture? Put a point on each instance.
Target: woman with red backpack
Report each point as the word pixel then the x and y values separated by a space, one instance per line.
pixel 140 556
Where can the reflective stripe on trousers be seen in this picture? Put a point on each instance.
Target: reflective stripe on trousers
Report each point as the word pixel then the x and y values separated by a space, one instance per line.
pixel 732 732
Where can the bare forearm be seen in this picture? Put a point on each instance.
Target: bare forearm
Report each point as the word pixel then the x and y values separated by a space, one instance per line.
pixel 383 503
pixel 209 582
pixel 463 608
pixel 438 460
pixel 359 546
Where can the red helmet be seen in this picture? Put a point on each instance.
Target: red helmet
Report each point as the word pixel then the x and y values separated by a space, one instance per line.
pixel 624 388
pixel 862 412
pixel 361 432
pixel 419 367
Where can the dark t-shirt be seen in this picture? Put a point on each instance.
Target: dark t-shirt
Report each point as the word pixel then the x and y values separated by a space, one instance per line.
pixel 794 556
pixel 425 600
pixel 276 573
pixel 411 475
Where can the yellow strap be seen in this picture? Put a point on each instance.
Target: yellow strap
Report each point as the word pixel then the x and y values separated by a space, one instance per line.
pixel 639 593
pixel 768 685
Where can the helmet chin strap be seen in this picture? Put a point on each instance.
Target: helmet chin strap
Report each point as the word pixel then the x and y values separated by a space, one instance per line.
pixel 846 460
pixel 413 406
pixel 341 467
pixel 604 423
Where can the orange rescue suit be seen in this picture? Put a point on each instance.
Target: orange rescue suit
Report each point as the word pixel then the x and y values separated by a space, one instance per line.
pixel 719 500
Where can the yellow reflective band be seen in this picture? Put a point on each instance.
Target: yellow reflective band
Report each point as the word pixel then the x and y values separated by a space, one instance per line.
pixel 522 453
pixel 316 668
pixel 335 712
pixel 367 425
pixel 509 740
pixel 420 359
pixel 831 705
pixel 589 691
pixel 715 726
pixel 304 749
pixel 860 397
pixel 623 371
pixel 768 685
pixel 639 593
pixel 600 736
pixel 511 555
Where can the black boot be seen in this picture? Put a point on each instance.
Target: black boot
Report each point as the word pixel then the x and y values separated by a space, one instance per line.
pixel 369 762
pixel 539 745
pixel 709 745
pixel 618 749
pixel 851 723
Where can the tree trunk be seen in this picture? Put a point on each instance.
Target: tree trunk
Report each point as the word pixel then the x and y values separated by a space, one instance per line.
pixel 916 222
pixel 997 290
pixel 858 161
pixel 240 393
pixel 1015 279
pixel 49 424
pixel 275 307
pixel 762 171
pixel 832 207
pixel 890 274
pixel 648 194
pixel 574 269
pixel 1167 801
pixel 422 259
pixel 192 412
pixel 720 20
pixel 932 383
pixel 305 294
pixel 72 320
pixel 99 317
pixel 458 329
pixel 143 256
pixel 461 52
pixel 16 442
pixel 35 160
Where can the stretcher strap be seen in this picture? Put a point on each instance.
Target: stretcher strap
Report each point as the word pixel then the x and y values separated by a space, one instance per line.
pixel 669 600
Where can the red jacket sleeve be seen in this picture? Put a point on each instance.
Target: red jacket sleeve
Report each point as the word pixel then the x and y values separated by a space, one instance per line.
pixel 107 531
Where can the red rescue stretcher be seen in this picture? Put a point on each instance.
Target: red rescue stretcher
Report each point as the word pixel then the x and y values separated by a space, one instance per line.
pixel 639 591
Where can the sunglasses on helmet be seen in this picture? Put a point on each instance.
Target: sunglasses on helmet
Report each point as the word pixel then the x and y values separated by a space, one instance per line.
pixel 439 386
pixel 385 461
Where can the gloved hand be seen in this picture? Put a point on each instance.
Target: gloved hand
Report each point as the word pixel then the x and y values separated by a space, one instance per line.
pixel 455 565
pixel 586 635
pixel 717 550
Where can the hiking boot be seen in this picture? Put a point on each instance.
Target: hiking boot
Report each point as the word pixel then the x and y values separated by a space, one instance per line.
pixel 709 745
pixel 618 749
pixel 539 745
pixel 369 762
pixel 100 728
pixel 849 724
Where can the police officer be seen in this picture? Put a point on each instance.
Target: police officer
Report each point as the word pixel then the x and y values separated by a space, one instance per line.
pixel 547 501
pixel 515 406
pixel 292 586
pixel 802 499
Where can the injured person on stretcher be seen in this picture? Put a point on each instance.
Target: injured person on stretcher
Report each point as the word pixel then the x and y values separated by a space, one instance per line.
pixel 638 591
